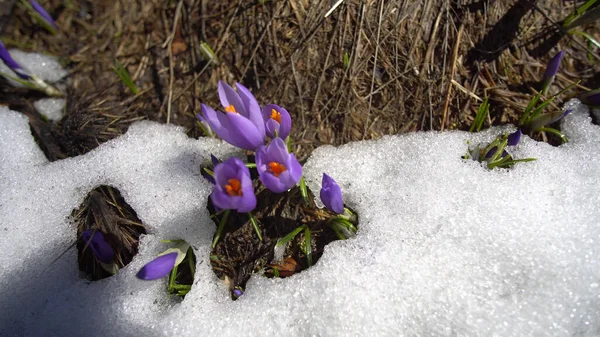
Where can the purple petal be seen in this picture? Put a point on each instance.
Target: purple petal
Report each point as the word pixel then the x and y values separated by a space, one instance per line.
pixel 207 176
pixel 11 63
pixel 237 293
pixel 252 107
pixel 283 128
pixel 514 138
pixel 211 117
pixel 331 194
pixel 101 249
pixel 277 152
pixel 215 161
pixel 552 68
pixel 158 267
pixel 38 8
pixel 228 97
pixel 591 98
pixel 233 168
pixel 243 133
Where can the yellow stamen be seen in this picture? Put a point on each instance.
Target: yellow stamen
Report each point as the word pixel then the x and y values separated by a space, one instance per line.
pixel 276 116
pixel 230 108
pixel 276 168
pixel 234 188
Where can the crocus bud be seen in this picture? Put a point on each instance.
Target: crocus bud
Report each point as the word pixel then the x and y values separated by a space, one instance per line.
pixel 331 194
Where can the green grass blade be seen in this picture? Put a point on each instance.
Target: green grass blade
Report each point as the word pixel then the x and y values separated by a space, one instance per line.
pixel 123 74
pixel 220 228
pixel 555 132
pixel 307 246
pixel 577 13
pixel 304 190
pixel 482 112
pixel 290 236
pixel 255 225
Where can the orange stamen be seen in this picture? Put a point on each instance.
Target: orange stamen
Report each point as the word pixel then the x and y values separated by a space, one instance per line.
pixel 230 108
pixel 276 168
pixel 276 116
pixel 234 188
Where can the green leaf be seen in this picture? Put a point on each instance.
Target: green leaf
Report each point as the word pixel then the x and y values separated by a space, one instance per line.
pixel 304 190
pixel 255 225
pixel 207 53
pixel 290 236
pixel 307 246
pixel 123 74
pixel 482 112
pixel 220 228
pixel 346 61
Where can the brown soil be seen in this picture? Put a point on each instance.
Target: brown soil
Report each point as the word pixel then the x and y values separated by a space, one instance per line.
pixel 413 65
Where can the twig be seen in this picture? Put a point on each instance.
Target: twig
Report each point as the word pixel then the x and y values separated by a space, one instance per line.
pixel 461 28
pixel 374 67
pixel 169 43
pixel 336 5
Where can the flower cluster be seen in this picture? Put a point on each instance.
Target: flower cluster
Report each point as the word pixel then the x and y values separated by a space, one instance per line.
pixel 534 120
pixel 265 131
pixel 244 124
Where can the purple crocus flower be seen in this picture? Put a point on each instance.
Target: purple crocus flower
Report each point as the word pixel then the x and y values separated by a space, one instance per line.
pixel 331 194
pixel 42 12
pixel 12 64
pixel 591 98
pixel 278 170
pixel 233 188
pixel 278 122
pixel 551 71
pixel 514 138
pixel 101 249
pixel 242 124
pixel 158 267
pixel 237 293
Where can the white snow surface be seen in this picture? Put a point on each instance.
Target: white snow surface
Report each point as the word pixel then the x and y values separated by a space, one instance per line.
pixel 46 67
pixel 445 247
pixel 51 108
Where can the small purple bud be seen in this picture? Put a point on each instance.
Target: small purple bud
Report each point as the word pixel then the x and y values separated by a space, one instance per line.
pixel 514 138
pixel 38 8
pixel 215 161
pixel 278 122
pixel 591 98
pixel 101 249
pixel 551 71
pixel 237 293
pixel 158 267
pixel 331 194
pixel 12 64
pixel 208 176
pixel 278 169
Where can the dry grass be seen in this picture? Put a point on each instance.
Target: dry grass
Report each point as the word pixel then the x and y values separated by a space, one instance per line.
pixel 413 65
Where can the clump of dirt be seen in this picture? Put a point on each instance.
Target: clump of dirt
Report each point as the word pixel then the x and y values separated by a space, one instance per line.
pixel 104 210
pixel 241 253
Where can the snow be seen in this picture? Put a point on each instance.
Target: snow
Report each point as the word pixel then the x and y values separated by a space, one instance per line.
pixel 51 108
pixel 46 67
pixel 445 247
